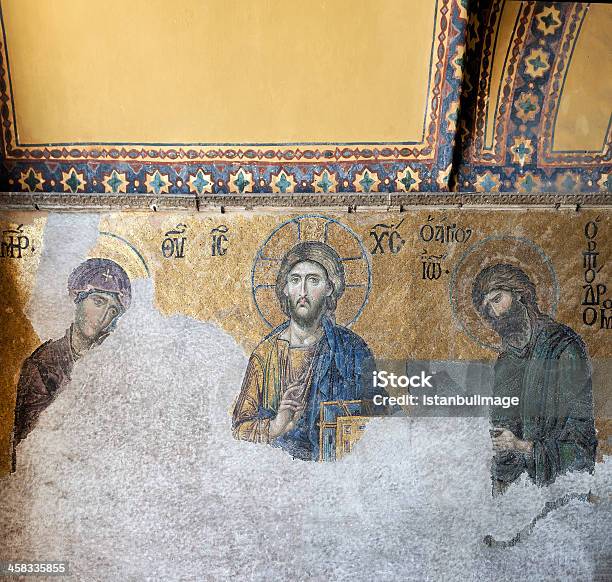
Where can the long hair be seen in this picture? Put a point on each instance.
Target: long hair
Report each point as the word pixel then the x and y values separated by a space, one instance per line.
pixel 505 277
pixel 323 255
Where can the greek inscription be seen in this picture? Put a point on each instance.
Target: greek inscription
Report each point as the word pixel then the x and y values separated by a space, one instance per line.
pixel 173 246
pixel 597 308
pixel 442 232
pixel 431 266
pixel 387 238
pixel 220 240
pixel 14 243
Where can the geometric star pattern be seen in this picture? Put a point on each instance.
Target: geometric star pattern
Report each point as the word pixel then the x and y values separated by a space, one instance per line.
pixel 537 63
pixel 157 183
pixel 241 182
pixel 487 182
pixel 325 182
pixel 408 180
pixel 72 181
pixel 283 183
pixel 31 181
pixel 548 20
pixel 366 181
pixel 115 183
pixel 200 183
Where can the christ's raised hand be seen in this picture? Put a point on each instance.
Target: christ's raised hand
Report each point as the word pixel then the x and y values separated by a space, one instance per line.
pixel 290 410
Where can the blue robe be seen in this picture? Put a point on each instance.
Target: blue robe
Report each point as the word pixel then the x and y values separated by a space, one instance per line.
pixel 342 370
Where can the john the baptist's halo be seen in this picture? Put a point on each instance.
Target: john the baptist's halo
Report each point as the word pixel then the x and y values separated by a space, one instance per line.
pixel 512 250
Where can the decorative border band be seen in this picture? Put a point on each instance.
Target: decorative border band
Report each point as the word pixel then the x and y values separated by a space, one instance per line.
pixel 58 201
pixel 531 87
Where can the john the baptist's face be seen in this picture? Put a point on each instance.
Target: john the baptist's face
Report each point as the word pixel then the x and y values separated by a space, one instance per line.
pixel 307 290
pixel 505 312
pixel 497 302
pixel 95 313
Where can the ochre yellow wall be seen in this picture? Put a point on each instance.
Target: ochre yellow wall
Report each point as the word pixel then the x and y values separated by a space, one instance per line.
pixel 585 108
pixel 183 71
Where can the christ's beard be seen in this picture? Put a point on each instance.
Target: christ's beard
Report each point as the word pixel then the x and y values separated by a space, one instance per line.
pixel 513 326
pixel 306 317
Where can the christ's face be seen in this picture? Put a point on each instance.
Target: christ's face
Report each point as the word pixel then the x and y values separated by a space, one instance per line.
pixel 95 313
pixel 307 290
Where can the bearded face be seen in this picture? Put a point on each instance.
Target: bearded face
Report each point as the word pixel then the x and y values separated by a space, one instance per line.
pixel 307 290
pixel 508 316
